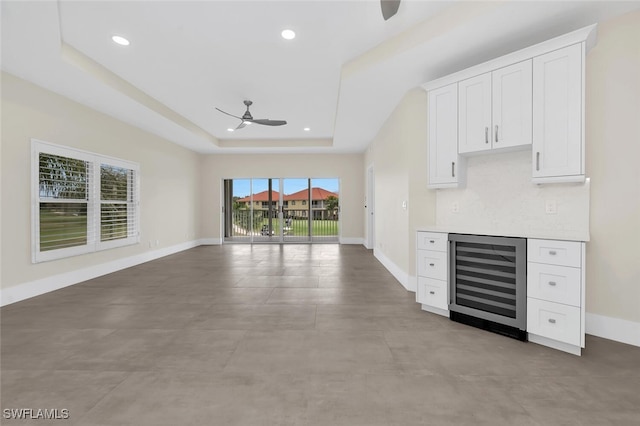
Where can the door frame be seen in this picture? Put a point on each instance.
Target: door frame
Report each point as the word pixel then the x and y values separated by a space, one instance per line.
pixel 278 238
pixel 370 203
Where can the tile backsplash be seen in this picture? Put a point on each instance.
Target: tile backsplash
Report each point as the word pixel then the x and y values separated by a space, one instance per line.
pixel 499 197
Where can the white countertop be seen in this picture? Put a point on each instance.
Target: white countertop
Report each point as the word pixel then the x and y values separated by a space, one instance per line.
pixel 551 234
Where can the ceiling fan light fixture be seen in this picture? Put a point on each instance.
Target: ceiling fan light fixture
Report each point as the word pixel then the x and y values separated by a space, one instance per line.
pixel 120 40
pixel 288 34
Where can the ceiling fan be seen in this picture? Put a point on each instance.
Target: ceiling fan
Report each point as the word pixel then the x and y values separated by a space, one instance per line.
pixel 389 8
pixel 247 118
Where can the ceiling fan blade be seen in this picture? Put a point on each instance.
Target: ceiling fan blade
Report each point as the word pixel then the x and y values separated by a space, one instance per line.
pixel 267 122
pixel 234 116
pixel 389 8
pixel 242 125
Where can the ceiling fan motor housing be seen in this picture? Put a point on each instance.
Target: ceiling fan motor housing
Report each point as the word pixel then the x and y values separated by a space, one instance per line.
pixel 247 115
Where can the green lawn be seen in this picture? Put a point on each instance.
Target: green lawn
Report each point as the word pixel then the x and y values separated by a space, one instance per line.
pixel 299 228
pixel 60 228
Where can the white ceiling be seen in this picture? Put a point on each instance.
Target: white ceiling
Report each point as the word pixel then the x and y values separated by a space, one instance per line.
pixel 342 76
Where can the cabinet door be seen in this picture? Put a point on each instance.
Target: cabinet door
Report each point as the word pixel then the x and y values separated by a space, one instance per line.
pixel 512 104
pixel 557 114
pixel 474 114
pixel 443 136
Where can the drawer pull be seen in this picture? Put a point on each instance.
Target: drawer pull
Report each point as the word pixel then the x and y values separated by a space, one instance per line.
pixel 431 264
pixel 552 320
pixel 432 292
pixel 552 283
pixel 432 241
pixel 552 252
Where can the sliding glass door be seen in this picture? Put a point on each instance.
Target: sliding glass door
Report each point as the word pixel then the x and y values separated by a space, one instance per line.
pixel 281 210
pixel 296 206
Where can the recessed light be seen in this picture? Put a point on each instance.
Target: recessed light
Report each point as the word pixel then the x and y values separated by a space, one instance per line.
pixel 288 34
pixel 120 40
pixel 306 129
pixel 230 129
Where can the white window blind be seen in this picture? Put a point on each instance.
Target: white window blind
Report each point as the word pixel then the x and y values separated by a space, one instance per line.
pixel 83 202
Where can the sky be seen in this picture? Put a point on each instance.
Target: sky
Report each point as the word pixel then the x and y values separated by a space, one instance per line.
pixel 242 187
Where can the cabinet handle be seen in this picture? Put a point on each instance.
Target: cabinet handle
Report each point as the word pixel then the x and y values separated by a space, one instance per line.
pixel 552 321
pixel 431 264
pixel 552 283
pixel 537 161
pixel 431 241
pixel 552 252
pixel 486 135
pixel 496 133
pixel 453 169
pixel 432 292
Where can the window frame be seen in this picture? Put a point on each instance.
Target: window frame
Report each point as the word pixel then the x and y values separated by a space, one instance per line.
pixel 93 201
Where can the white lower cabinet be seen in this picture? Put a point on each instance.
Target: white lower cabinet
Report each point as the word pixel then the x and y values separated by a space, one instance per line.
pixel 555 294
pixel 432 291
pixel 555 287
pixel 554 321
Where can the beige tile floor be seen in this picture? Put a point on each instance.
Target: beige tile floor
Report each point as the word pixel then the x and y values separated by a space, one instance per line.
pixel 289 335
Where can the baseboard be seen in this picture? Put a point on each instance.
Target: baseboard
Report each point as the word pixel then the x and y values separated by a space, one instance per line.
pixel 396 271
pixel 617 329
pixel 434 310
pixel 413 284
pixel 345 240
pixel 55 282
pixel 561 346
pixel 210 241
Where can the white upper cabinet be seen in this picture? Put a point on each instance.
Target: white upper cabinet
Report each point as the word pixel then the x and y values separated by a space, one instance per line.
pixel 443 137
pixel 558 143
pixel 512 88
pixel 494 109
pixel 474 114
pixel 529 99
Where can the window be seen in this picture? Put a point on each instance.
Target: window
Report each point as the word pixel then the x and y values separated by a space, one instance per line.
pixel 83 202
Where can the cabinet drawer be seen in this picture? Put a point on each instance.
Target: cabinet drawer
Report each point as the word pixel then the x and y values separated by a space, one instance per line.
pixel 564 253
pixel 554 321
pixel 432 264
pixel 561 284
pixel 432 292
pixel 432 241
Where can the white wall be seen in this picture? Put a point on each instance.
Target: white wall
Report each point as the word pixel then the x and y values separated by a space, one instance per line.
pixel 347 167
pixel 169 180
pixel 613 155
pixel 399 156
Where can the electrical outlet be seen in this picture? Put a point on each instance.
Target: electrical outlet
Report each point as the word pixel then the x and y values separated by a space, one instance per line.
pixel 455 207
pixel 550 207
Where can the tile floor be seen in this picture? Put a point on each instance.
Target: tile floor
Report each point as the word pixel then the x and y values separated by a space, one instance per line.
pixel 289 335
